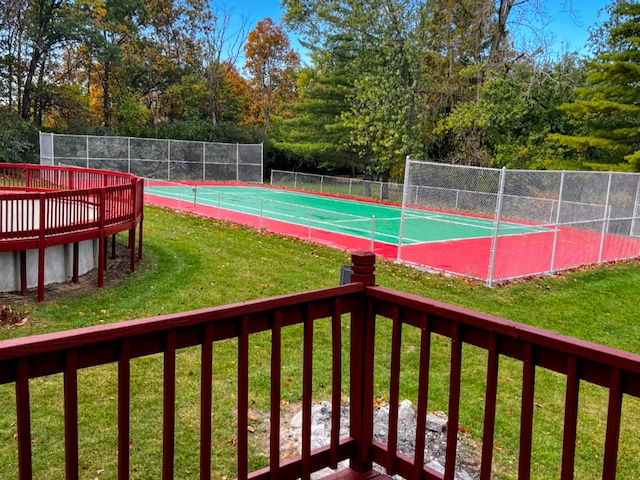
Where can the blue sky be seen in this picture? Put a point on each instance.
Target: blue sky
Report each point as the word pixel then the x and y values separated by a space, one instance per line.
pixel 571 32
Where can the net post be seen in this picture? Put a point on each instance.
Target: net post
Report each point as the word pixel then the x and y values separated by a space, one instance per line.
pixel 373 232
pixel 261 211
pixel 310 220
pixel 219 213
pixel 405 191
pixel 557 224
pixel 496 227
pixel 195 193
pixel 605 219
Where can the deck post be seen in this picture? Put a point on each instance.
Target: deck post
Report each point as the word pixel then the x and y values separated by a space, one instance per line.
pixel 361 371
pixel 363 267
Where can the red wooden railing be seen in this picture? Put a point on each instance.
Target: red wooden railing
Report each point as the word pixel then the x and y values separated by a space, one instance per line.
pixel 67 352
pixel 42 206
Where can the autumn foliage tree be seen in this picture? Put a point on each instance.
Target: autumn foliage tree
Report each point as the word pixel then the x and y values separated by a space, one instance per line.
pixel 271 65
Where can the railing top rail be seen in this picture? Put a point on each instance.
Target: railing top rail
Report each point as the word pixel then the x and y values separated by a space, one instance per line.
pixel 29 166
pixel 509 330
pixel 89 339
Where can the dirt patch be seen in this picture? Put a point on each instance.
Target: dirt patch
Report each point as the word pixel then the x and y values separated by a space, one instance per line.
pixel 116 270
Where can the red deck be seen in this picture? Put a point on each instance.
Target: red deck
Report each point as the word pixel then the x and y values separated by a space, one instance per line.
pixel 616 372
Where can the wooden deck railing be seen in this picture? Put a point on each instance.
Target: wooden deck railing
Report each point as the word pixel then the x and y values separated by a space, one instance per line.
pixel 43 206
pixel 366 305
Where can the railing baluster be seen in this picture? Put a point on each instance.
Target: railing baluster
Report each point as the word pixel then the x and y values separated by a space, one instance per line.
pixel 169 409
pixel 276 361
pixel 307 392
pixel 613 426
pixel 570 419
pixel 124 399
pixel 71 415
pixel 206 366
pixel 23 413
pixel 490 407
pixel 243 398
pixel 367 382
pixel 526 416
pixel 454 403
pixel 336 380
pixel 394 391
pixel 423 396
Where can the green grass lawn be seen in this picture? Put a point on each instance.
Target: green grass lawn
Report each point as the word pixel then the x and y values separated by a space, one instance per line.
pixel 193 262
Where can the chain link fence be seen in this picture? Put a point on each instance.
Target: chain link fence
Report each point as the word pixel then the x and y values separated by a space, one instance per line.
pixel 156 158
pixel 580 218
pixel 350 187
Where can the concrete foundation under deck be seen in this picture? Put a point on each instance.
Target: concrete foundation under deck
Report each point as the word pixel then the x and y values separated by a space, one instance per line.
pixel 58 265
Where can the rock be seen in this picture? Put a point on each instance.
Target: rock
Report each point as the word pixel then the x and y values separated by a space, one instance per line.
pixel 296 421
pixel 435 447
pixel 437 422
pixel 406 411
pixel 433 465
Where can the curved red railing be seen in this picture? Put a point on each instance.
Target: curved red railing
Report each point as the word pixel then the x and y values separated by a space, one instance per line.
pixel 43 206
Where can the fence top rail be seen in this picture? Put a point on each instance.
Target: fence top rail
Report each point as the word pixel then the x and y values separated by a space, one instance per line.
pixel 152 139
pixel 257 311
pixel 516 170
pixel 582 349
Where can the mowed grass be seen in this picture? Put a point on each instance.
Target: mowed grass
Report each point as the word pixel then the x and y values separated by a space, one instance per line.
pixel 193 262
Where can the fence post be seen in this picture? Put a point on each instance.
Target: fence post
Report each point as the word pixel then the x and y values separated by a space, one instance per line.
pixel 86 137
pixel 496 228
pixel 168 159
pixel 321 182
pixel 129 155
pixel 237 161
pixel 404 205
pixel 605 220
pixel 295 179
pixel 557 225
pixel 635 210
pixel 204 161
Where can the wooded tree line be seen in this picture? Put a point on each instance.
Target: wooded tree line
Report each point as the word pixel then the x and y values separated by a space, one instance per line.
pixel 441 80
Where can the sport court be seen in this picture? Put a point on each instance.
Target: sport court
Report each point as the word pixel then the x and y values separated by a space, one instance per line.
pixel 443 241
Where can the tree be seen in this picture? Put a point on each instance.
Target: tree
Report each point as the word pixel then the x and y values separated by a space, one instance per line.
pixel 515 111
pixel 609 103
pixel 316 131
pixel 271 64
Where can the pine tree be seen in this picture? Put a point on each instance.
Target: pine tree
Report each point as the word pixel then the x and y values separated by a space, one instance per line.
pixel 609 104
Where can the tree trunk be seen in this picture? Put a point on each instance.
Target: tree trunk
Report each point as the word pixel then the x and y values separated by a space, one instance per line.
pixel 27 95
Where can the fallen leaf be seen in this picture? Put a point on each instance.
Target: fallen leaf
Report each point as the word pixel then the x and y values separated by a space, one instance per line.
pixel 251 429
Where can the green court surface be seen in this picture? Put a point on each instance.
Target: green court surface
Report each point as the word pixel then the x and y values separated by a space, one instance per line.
pixel 343 216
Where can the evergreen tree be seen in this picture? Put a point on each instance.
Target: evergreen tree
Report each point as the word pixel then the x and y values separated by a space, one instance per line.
pixel 315 130
pixel 610 102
